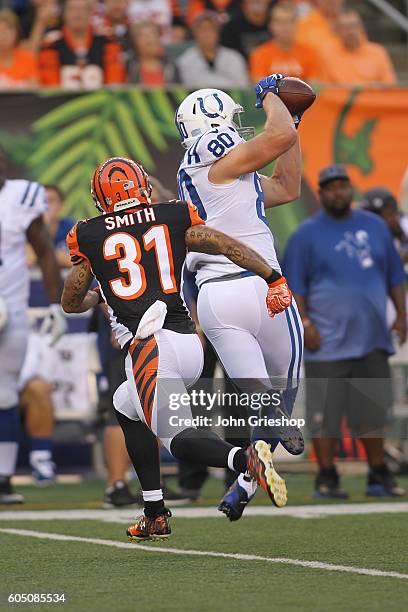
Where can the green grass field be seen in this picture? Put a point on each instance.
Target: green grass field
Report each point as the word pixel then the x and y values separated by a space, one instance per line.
pixel 100 576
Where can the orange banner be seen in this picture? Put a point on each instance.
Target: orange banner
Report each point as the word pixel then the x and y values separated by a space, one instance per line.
pixel 367 130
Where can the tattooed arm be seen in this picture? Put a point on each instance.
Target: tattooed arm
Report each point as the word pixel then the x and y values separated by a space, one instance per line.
pixel 75 296
pixel 205 239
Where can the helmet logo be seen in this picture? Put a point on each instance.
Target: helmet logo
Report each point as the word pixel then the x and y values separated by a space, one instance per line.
pixel 208 114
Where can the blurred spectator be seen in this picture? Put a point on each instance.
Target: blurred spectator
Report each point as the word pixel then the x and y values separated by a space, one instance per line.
pixel 355 59
pixel 41 17
pixel 382 202
pixel 58 227
pixel 342 266
pixel 158 11
pixel 223 8
pixel 207 64
pixel 75 58
pixel 248 28
pixel 159 191
pixel 114 24
pixel 283 54
pixel 318 27
pixel 18 66
pixel 117 492
pixel 147 63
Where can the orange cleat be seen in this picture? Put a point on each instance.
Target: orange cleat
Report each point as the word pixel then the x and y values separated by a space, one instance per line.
pixel 260 467
pixel 150 529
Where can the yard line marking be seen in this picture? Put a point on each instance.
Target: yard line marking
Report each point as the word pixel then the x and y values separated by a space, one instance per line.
pixel 119 515
pixel 208 553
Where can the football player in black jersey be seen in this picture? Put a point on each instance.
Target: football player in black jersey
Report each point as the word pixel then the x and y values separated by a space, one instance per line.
pixel 136 250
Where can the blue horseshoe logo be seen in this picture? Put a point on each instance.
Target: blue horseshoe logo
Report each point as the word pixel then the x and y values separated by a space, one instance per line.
pixel 211 115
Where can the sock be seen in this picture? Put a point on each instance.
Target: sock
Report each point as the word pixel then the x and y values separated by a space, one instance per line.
pixel 152 496
pixel 9 430
pixel 41 444
pixel 237 459
pixel 247 483
pixel 153 503
pixel 206 448
pixel 39 455
pixel 143 451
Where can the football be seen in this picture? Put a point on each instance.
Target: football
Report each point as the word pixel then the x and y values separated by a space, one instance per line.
pixel 296 95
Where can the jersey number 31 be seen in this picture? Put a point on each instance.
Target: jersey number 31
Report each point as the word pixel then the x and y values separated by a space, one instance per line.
pixel 126 250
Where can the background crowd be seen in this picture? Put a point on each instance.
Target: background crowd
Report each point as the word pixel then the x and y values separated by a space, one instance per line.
pixel 84 44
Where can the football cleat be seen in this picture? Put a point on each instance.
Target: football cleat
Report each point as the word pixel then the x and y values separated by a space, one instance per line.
pixel 44 472
pixel 381 483
pixel 289 436
pixel 119 495
pixel 327 485
pixel 235 501
pixel 260 467
pixel 146 528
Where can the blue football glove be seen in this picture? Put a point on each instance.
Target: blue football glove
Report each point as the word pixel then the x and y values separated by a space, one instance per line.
pixel 266 85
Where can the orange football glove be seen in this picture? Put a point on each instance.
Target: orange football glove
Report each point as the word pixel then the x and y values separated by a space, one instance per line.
pixel 279 297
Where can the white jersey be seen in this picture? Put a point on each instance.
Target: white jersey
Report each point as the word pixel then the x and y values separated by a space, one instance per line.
pixel 20 203
pixel 237 208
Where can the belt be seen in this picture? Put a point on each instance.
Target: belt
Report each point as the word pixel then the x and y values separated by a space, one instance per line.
pixel 228 277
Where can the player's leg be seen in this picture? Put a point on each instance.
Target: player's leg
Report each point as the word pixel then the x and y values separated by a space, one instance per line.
pixel 162 366
pixel 230 315
pixel 36 403
pixel 281 342
pixel 143 451
pixel 13 342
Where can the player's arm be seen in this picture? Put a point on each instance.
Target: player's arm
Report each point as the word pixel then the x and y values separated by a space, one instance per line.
pixel 40 241
pixel 76 296
pixel 284 184
pixel 204 239
pixel 278 136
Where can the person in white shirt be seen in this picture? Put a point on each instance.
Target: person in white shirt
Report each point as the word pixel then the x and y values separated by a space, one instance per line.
pixel 207 63
pixel 22 204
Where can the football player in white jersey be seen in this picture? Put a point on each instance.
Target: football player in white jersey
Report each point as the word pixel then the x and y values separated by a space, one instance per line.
pixel 22 204
pixel 219 175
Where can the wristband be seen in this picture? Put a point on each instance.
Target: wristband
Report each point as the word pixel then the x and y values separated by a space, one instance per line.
pixel 273 277
pixel 98 292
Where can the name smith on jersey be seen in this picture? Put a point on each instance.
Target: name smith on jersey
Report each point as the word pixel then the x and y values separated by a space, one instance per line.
pixel 145 215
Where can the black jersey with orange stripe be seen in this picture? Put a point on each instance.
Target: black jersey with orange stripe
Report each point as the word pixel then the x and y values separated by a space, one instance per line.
pixel 137 255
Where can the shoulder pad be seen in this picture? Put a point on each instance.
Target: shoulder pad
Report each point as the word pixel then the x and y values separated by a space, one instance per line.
pixel 211 146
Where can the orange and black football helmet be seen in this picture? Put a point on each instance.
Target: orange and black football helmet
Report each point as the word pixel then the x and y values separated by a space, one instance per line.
pixel 120 183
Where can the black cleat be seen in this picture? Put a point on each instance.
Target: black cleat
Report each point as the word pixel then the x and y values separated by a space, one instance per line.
pixel 119 495
pixel 382 483
pixel 327 485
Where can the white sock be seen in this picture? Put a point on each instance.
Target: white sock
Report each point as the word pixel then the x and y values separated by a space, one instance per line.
pixel 8 458
pixel 247 483
pixel 150 496
pixel 231 456
pixel 39 455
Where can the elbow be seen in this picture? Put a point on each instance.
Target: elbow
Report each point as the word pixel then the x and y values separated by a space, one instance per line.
pixel 67 307
pixel 290 136
pixel 295 191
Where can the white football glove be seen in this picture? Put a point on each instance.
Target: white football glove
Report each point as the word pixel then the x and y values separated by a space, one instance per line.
pixel 3 314
pixel 54 323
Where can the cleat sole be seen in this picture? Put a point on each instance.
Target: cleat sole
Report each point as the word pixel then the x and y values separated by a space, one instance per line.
pixel 276 486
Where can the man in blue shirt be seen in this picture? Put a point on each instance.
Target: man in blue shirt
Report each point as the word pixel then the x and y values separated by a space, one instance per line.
pixel 342 265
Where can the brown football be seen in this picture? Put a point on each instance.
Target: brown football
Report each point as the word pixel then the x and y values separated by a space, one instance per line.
pixel 296 95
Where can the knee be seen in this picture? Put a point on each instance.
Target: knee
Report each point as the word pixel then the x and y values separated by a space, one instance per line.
pixel 36 390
